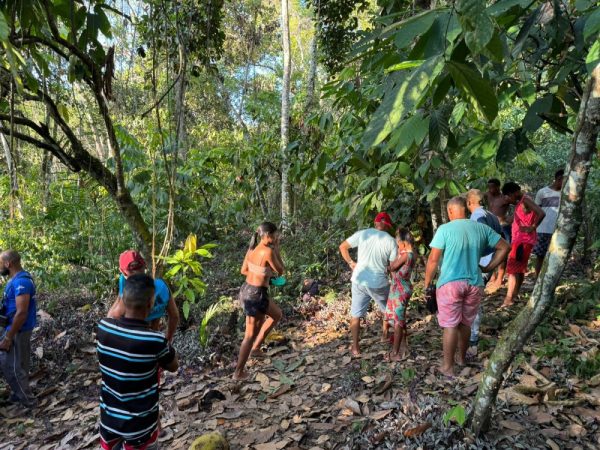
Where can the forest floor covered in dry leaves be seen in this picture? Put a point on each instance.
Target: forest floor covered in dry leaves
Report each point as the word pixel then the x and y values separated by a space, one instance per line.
pixel 310 394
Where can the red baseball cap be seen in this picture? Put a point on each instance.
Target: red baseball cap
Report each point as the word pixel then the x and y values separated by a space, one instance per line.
pixel 385 218
pixel 131 261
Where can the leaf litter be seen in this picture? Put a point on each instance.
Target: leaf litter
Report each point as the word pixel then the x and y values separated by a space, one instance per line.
pixel 309 393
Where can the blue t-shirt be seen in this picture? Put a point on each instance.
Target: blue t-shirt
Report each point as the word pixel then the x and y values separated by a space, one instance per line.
pixel 20 284
pixel 485 217
pixel 161 298
pixel 463 243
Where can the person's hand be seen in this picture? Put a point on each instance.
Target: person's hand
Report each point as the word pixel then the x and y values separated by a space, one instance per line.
pixel 352 265
pixel 5 344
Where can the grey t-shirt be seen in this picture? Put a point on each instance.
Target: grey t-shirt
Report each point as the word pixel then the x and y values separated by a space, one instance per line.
pixel 376 249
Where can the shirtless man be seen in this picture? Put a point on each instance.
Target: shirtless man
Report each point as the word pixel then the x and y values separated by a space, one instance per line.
pixel 498 206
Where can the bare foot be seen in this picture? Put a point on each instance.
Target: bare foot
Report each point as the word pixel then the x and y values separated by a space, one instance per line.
pixel 507 303
pixel 393 357
pixel 240 376
pixel 492 287
pixel 447 373
pixel 403 352
pixel 384 338
pixel 258 353
pixel 355 352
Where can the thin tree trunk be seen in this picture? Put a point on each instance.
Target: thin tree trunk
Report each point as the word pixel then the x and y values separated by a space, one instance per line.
pixel 46 165
pixel 16 205
pixel 180 86
pixel 286 206
pixel 569 220
pixel 436 219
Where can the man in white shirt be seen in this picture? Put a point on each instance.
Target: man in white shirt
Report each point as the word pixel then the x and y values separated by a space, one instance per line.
pixel 376 250
pixel 548 198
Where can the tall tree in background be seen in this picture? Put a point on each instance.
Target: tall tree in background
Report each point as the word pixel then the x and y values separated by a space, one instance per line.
pixel 286 200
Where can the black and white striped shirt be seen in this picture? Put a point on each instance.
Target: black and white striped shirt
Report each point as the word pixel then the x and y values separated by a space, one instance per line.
pixel 130 353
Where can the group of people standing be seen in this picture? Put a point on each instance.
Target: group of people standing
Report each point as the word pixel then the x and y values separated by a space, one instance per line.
pixel 465 255
pixel 132 352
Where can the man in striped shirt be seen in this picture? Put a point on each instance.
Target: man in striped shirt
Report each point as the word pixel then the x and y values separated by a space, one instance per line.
pixel 130 353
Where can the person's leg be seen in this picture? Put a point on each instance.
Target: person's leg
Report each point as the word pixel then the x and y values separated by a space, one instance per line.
pixel 464 332
pixel 252 330
pixel 380 295
pixel 449 317
pixel 474 339
pixel 355 331
pixel 449 344
pixel 519 277
pixel 358 309
pixel 274 315
pixel 12 363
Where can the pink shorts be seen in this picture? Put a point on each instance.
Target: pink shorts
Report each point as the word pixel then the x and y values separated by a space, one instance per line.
pixel 458 302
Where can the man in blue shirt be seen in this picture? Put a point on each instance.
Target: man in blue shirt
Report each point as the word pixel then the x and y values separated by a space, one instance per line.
pixel 19 308
pixel 481 215
pixel 461 243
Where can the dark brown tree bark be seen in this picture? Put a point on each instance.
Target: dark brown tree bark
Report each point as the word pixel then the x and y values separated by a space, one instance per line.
pixel 569 220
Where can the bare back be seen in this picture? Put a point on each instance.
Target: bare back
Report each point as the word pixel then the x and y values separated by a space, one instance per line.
pixel 498 206
pixel 260 265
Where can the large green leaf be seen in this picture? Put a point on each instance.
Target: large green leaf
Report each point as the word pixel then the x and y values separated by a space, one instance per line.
pixel 592 24
pixel 475 88
pixel 4 29
pixel 513 143
pixel 532 120
pixel 408 92
pixel 438 130
pixel 477 24
pixel 593 57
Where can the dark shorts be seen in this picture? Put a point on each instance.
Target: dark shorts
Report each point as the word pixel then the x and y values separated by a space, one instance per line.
pixel 254 298
pixel 543 242
pixel 507 233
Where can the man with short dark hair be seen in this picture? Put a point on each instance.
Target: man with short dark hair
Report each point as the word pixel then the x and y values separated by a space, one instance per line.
pixel 130 354
pixel 19 311
pixel 376 250
pixel 459 245
pixel 548 198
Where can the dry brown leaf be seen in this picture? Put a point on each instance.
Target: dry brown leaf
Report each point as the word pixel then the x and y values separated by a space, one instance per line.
pixel 553 445
pixel 262 378
pixel 418 430
pixel 68 415
pixel 322 439
pixel 346 360
pixel 353 406
pixel 296 400
pixel 368 379
pixel 325 387
pixel 284 388
pixel 266 434
pixel 511 425
pixel 541 417
pixel 378 415
pixel 285 424
pixel 377 438
pixel 576 430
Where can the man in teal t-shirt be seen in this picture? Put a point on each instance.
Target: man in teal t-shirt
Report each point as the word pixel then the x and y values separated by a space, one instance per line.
pixel 460 244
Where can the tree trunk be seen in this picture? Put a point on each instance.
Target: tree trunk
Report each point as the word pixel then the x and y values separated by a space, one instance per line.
pixel 286 206
pixel 16 205
pixel 436 219
pixel 180 129
pixel 46 166
pixel 569 220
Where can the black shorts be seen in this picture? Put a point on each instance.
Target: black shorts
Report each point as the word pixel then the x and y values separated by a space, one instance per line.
pixel 255 299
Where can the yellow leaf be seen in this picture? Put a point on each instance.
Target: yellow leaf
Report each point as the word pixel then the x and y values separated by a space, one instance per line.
pixel 190 244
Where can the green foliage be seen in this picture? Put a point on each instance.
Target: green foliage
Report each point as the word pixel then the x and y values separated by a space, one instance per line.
pixel 407 375
pixel 185 274
pixel 212 311
pixel 457 414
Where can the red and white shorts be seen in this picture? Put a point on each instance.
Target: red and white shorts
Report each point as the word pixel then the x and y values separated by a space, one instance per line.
pixel 458 303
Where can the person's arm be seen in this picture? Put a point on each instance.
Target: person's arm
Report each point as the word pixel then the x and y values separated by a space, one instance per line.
pixel 274 260
pixel 502 250
pixel 244 270
pixel 22 303
pixel 432 265
pixel 173 318
pixel 398 262
pixel 539 214
pixel 168 360
pixel 345 252
pixel 117 310
pixel 173 365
